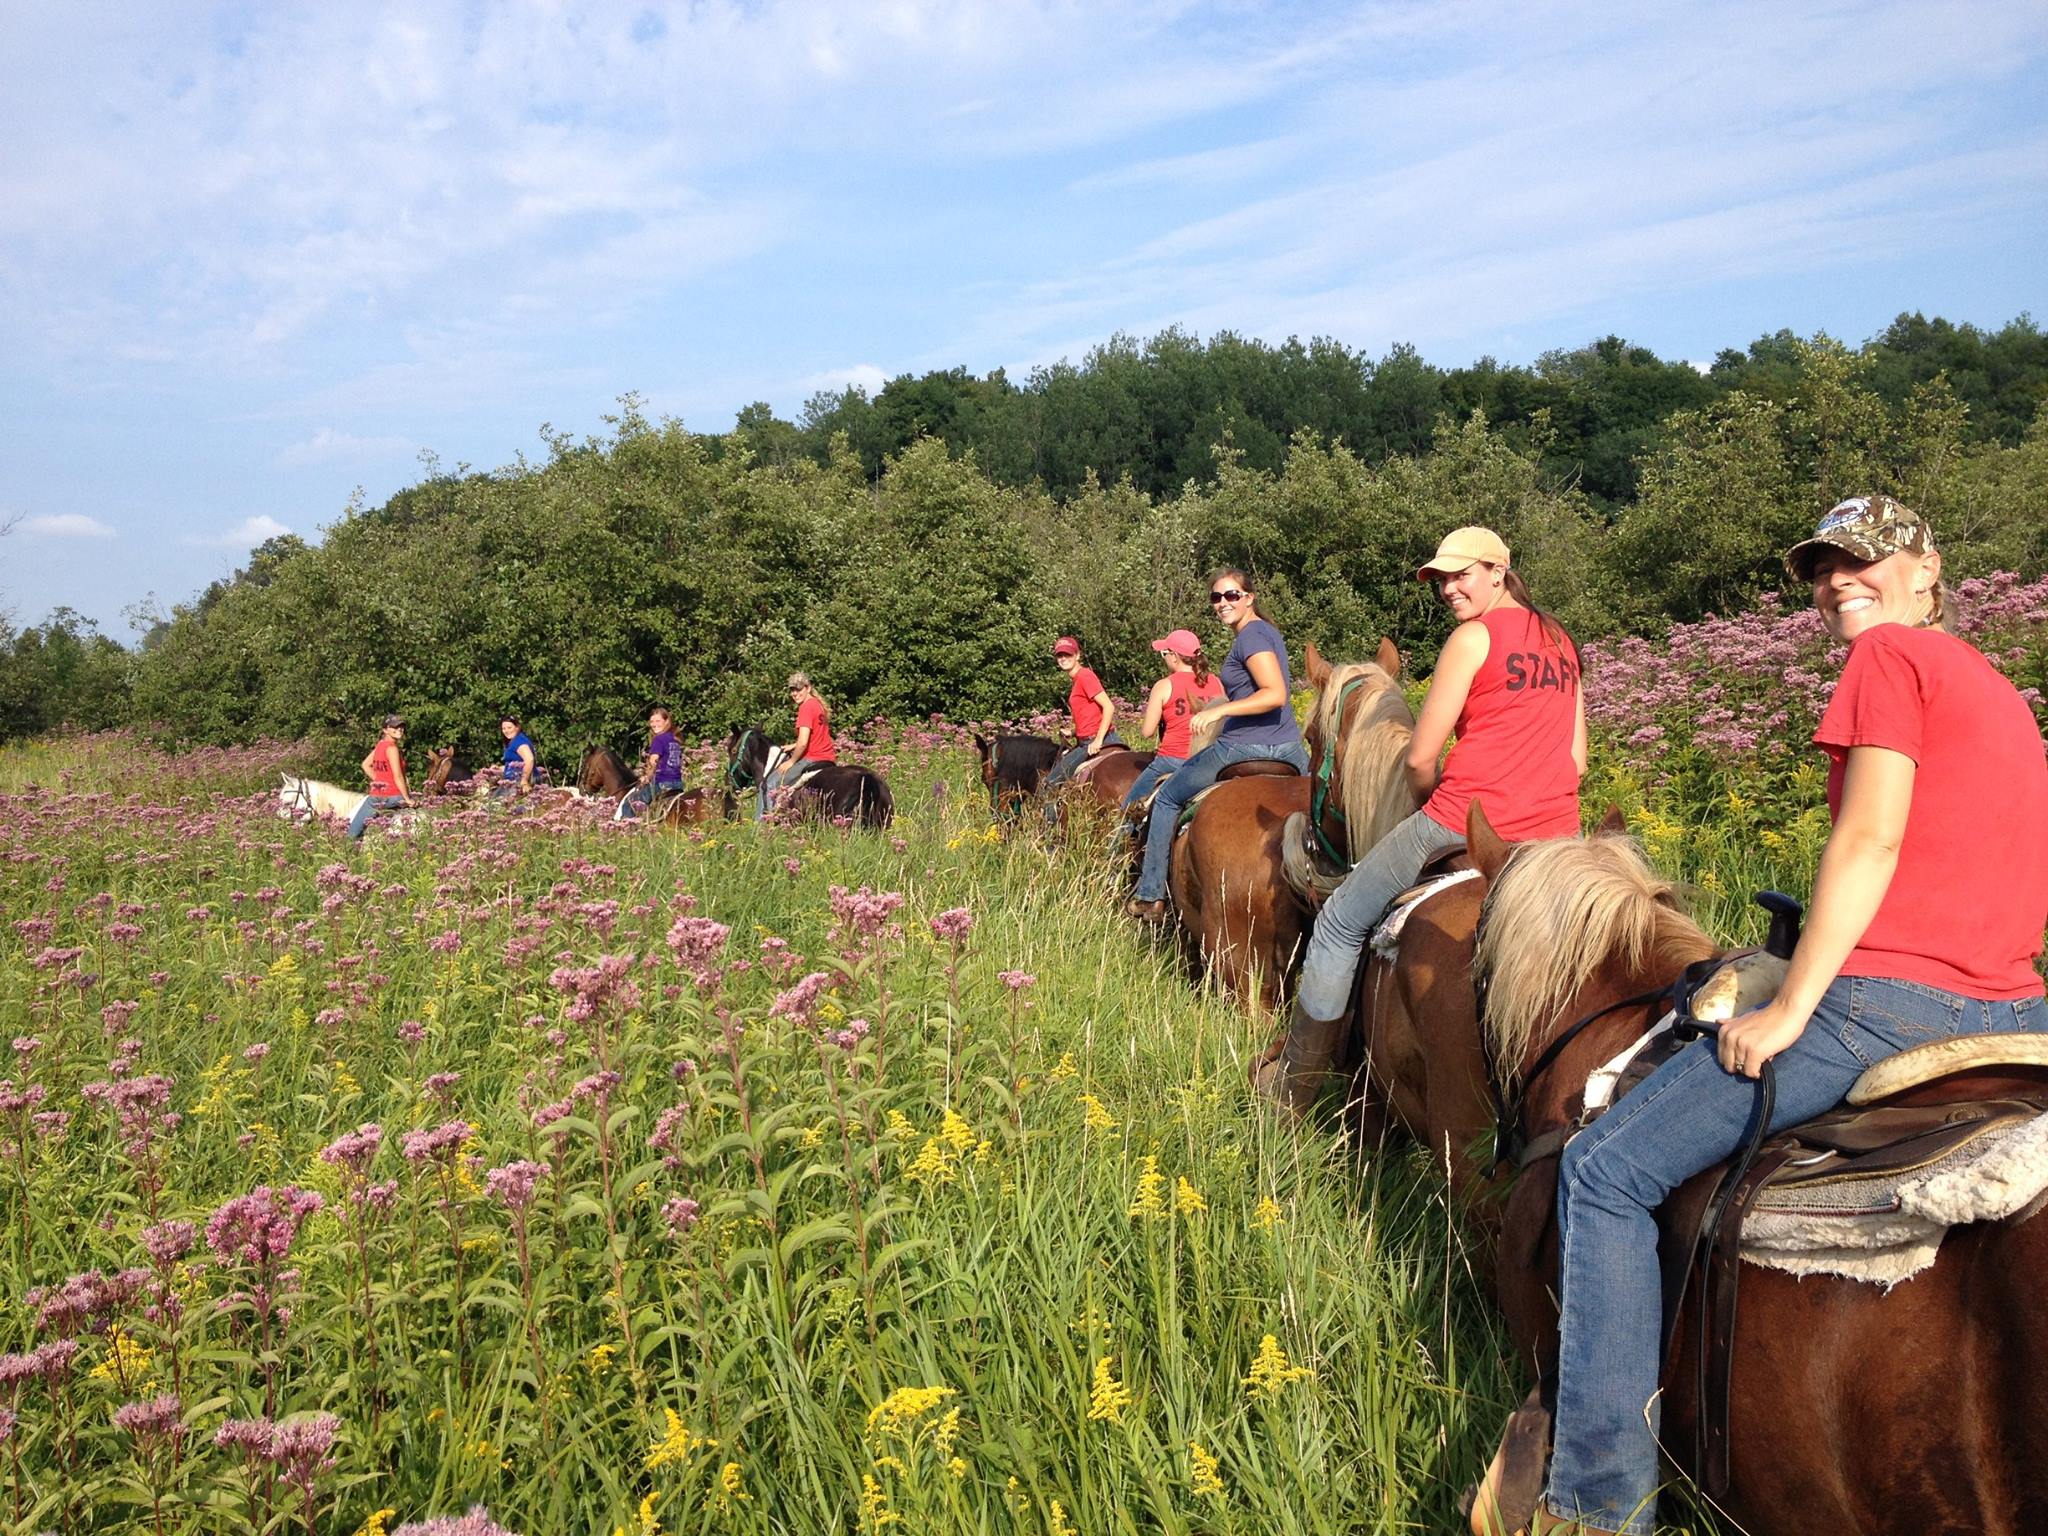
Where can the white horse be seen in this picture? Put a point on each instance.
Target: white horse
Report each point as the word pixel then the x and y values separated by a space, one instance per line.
pixel 299 799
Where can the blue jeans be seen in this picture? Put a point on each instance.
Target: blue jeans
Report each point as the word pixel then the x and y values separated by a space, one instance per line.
pixel 1190 779
pixel 1064 770
pixel 1346 920
pixel 1686 1116
pixel 641 796
pixel 371 805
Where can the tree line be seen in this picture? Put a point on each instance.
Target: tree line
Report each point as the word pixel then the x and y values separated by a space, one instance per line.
pixel 920 563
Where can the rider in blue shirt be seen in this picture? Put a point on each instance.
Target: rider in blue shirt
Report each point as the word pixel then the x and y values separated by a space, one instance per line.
pixel 520 762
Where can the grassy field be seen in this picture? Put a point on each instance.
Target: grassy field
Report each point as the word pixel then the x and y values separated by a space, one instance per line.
pixel 748 1180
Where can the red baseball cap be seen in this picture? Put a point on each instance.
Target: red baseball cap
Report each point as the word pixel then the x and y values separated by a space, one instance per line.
pixel 1184 643
pixel 1066 645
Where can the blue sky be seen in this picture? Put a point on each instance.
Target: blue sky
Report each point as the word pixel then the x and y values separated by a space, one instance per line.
pixel 253 257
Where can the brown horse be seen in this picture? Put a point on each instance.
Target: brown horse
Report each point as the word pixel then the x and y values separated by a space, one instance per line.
pixel 1852 1408
pixel 441 767
pixel 1243 922
pixel 1108 777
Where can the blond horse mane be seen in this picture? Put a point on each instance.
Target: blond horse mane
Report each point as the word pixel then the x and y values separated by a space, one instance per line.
pixel 1559 911
pixel 1370 775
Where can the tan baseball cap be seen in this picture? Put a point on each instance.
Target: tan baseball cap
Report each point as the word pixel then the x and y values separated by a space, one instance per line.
pixel 1462 547
pixel 1868 527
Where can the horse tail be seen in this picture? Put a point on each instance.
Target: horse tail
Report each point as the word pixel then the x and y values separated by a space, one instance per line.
pixel 877 805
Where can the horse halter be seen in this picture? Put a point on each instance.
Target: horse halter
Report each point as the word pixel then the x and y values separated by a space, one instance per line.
pixel 1319 796
pixel 300 798
pixel 733 770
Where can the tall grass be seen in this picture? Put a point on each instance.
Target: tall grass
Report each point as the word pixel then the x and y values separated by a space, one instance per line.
pixel 1022 1256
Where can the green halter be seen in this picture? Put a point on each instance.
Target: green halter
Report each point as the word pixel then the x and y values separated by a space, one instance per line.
pixel 1319 798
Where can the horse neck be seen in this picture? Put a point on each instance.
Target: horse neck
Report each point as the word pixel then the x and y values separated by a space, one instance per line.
pixel 1554 1097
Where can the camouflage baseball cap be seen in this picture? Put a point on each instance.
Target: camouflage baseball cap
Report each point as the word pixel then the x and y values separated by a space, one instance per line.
pixel 1868 527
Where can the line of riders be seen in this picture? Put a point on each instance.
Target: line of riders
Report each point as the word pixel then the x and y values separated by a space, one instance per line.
pixel 757 769
pixel 1841 1405
pixel 1845 1406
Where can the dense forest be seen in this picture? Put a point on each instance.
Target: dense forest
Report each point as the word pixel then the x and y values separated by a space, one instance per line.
pixel 916 551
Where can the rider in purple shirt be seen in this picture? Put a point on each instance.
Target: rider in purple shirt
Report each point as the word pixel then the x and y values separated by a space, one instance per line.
pixel 663 763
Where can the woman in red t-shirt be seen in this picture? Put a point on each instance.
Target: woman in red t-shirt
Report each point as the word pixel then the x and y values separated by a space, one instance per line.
pixel 1507 682
pixel 385 768
pixel 1091 707
pixel 1170 709
pixel 1926 920
pixel 813 742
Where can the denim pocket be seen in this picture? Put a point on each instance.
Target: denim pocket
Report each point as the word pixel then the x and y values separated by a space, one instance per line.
pixel 2027 1013
pixel 1906 1013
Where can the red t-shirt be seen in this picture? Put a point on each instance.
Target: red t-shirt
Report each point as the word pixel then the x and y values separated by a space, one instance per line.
pixel 1183 698
pixel 1514 736
pixel 1967 903
pixel 385 766
pixel 1081 701
pixel 819 748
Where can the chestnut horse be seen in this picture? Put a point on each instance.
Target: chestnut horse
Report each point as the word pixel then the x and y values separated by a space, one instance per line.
pixel 605 773
pixel 1108 776
pixel 1852 1407
pixel 441 767
pixel 1243 921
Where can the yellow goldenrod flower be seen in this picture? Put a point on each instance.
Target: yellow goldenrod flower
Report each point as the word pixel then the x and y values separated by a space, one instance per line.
pixel 1108 1397
pixel 599 1359
pixel 1064 1070
pixel 1148 1202
pixel 1271 1372
pixel 650 1525
pixel 812 1138
pixel 1057 1522
pixel 899 1126
pixel 1094 1116
pixel 874 1505
pixel 124 1363
pixel 947 1432
pixel 933 1165
pixel 1205 1480
pixel 1015 1496
pixel 902 1410
pixel 1267 1216
pixel 955 1132
pixel 1187 1200
pixel 958 1467
pixel 677 1445
pixel 892 1463
pixel 731 1490
pixel 374 1526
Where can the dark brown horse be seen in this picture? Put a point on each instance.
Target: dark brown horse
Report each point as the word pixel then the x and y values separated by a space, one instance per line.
pixel 836 790
pixel 605 774
pixel 441 767
pixel 1014 766
pixel 1243 922
pixel 1853 1408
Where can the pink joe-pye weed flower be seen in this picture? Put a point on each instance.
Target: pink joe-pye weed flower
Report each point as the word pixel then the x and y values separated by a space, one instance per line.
pixel 477 1522
pixel 952 927
pixel 513 1184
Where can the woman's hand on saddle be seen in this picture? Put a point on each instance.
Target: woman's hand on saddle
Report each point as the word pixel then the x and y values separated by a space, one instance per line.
pixel 1094 747
pixel 1750 1039
pixel 1202 719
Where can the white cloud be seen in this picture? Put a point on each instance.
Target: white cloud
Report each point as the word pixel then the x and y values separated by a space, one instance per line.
pixel 862 375
pixel 65 525
pixel 327 445
pixel 246 534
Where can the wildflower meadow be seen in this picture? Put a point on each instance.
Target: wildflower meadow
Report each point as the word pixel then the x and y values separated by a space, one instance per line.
pixel 530 1173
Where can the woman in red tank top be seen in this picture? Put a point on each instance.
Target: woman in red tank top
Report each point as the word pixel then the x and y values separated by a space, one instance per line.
pixel 1170 709
pixel 1507 683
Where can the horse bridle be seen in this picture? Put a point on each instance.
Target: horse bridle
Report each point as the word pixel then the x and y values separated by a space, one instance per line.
pixel 732 767
pixel 300 798
pixel 1319 795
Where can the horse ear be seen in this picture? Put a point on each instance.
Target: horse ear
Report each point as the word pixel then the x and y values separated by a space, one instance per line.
pixel 1388 658
pixel 1318 670
pixel 1613 824
pixel 1486 846
pixel 981 746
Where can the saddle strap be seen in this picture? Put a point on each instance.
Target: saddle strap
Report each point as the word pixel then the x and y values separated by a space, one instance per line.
pixel 1718 1292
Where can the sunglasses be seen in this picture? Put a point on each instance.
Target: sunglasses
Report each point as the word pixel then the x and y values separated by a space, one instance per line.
pixel 1232 595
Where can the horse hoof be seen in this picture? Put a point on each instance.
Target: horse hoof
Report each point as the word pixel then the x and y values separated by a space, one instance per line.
pixel 1146 911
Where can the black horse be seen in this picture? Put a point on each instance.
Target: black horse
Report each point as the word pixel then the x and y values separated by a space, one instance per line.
pixel 837 789
pixel 1014 768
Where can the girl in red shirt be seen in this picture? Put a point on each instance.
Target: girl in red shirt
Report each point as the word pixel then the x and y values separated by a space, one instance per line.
pixel 1507 683
pixel 1170 709
pixel 1093 711
pixel 813 742
pixel 1925 922
pixel 385 767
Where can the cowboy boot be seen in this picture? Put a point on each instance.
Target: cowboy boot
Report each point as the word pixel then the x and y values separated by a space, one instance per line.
pixel 1505 1501
pixel 1294 1076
